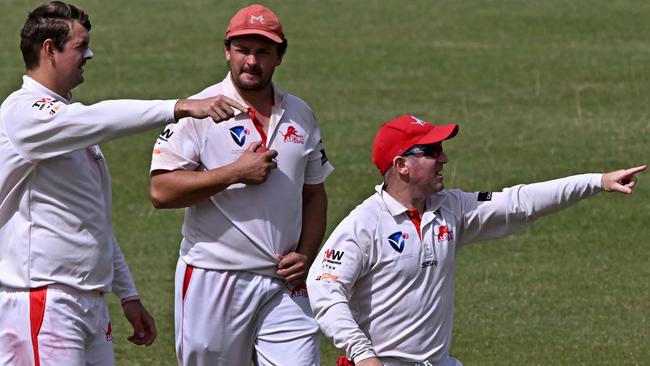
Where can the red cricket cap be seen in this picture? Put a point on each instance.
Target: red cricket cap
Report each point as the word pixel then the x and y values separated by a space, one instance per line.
pixel 400 134
pixel 255 20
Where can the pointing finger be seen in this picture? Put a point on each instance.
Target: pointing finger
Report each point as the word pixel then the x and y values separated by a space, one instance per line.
pixel 233 103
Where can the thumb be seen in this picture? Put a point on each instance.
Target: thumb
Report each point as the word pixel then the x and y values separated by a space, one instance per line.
pixel 254 145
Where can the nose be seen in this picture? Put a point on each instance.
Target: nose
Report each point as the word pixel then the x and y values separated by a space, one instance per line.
pixel 88 54
pixel 251 59
pixel 443 159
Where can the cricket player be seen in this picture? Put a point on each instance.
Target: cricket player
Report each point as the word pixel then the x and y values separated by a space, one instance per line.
pixel 255 211
pixel 58 253
pixel 382 287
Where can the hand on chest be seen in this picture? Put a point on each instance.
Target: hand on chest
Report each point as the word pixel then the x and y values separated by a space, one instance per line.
pixel 228 140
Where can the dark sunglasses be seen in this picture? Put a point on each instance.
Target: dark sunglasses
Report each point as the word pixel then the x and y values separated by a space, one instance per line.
pixel 430 150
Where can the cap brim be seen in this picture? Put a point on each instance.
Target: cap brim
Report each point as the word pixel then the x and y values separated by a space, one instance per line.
pixel 258 32
pixel 439 133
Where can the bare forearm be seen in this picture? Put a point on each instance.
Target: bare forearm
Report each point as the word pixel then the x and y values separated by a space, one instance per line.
pixel 182 188
pixel 314 221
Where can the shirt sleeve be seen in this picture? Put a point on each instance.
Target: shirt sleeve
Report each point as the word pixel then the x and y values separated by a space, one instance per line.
pixel 338 266
pixel 52 128
pixel 318 165
pixel 123 285
pixel 487 215
pixel 179 146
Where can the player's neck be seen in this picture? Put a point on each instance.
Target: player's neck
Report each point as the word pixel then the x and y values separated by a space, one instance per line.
pixel 261 100
pixel 48 80
pixel 407 197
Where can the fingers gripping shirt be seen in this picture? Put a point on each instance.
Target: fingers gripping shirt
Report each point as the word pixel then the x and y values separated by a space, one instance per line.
pixel 245 227
pixel 376 288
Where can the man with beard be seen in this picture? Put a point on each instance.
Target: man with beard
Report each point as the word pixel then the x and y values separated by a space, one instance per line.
pixel 383 289
pixel 255 211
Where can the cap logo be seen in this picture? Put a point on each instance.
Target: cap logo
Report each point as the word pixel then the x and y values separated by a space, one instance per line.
pixel 417 121
pixel 259 19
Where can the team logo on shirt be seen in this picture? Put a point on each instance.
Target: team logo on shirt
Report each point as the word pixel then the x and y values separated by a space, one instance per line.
pixel 443 234
pixel 396 240
pixel 238 134
pixel 299 290
pixel 292 135
pixel 47 103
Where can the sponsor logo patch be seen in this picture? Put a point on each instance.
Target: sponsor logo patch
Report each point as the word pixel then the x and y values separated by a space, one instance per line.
pixel 292 135
pixel 396 240
pixel 327 276
pixel 332 258
pixel 166 134
pixel 485 196
pixel 238 134
pixel 50 104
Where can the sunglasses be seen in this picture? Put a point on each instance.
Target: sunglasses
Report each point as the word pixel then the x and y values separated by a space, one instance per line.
pixel 430 150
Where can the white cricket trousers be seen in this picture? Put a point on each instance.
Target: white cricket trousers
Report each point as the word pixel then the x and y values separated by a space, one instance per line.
pixel 448 361
pixel 233 318
pixel 54 326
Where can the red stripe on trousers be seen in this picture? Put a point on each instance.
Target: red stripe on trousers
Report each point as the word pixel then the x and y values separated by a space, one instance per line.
pixel 186 280
pixel 36 312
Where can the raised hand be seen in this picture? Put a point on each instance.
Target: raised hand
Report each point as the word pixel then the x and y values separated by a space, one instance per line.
pixel 621 180
pixel 255 164
pixel 219 108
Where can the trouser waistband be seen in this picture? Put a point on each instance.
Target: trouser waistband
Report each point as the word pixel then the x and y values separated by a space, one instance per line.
pixel 390 361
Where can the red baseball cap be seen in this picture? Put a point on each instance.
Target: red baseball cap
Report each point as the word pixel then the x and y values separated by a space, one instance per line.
pixel 400 134
pixel 255 20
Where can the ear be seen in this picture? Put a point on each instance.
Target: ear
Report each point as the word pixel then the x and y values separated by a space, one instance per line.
pixel 400 166
pixel 226 52
pixel 47 50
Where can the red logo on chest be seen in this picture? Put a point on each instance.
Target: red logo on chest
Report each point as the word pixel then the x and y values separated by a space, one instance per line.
pixel 299 290
pixel 444 234
pixel 292 136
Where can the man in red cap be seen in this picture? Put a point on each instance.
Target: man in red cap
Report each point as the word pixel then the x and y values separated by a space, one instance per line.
pixel 382 287
pixel 253 222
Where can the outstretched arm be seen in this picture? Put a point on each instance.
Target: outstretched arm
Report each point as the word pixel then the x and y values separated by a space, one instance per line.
pixel 621 180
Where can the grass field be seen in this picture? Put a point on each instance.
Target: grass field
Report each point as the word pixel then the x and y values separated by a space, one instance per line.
pixel 541 89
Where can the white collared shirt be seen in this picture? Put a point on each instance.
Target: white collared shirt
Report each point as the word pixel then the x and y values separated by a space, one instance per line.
pixel 55 193
pixel 245 227
pixel 377 289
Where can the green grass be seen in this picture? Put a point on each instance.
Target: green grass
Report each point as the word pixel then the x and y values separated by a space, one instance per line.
pixel 541 89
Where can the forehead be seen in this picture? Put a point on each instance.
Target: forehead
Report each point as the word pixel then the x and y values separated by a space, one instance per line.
pixel 252 42
pixel 78 33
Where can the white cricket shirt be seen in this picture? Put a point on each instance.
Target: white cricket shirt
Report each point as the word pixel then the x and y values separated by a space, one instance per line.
pixel 377 289
pixel 245 227
pixel 55 193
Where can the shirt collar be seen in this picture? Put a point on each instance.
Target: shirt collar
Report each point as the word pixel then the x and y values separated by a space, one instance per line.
pixel 34 86
pixel 395 208
pixel 230 91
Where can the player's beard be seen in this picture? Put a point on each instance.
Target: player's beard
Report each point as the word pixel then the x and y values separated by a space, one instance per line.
pixel 262 84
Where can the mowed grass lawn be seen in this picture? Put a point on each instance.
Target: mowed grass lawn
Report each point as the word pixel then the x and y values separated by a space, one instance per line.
pixel 541 89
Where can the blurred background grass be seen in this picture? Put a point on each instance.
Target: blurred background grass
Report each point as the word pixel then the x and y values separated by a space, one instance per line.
pixel 541 89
